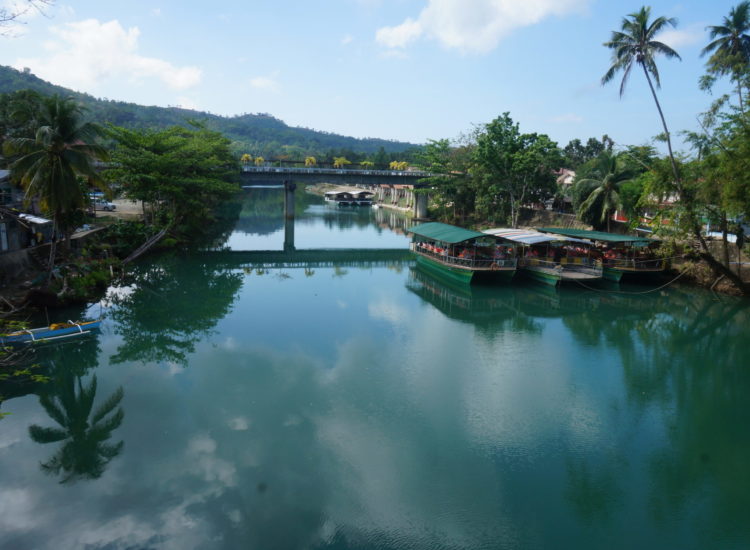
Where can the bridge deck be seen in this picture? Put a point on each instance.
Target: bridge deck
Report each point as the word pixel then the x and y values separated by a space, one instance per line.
pixel 272 175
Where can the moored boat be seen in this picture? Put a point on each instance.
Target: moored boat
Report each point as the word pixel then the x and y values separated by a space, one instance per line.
pixel 349 198
pixel 552 259
pixel 623 256
pixel 54 332
pixel 460 255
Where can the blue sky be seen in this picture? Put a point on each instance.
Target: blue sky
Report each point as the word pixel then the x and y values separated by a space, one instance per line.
pixel 399 69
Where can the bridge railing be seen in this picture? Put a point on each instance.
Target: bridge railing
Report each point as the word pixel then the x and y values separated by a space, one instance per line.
pixel 334 171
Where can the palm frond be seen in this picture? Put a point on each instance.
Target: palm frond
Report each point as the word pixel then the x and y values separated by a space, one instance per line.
pixel 108 406
pixel 39 434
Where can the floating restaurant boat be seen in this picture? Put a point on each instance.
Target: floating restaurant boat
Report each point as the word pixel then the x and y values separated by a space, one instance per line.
pixel 552 259
pixel 54 332
pixel 622 255
pixel 459 254
pixel 349 198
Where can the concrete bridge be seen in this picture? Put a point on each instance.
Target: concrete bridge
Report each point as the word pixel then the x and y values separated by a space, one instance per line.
pixel 289 177
pixel 275 175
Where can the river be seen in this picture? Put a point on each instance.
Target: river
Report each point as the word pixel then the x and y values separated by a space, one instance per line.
pixel 364 404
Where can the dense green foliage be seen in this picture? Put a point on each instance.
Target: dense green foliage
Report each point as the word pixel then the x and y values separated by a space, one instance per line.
pixel 50 163
pixel 494 174
pixel 257 134
pixel 577 154
pixel 182 174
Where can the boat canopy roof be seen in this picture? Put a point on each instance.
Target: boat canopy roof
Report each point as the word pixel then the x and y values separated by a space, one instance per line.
pixel 597 235
pixel 529 236
pixel 445 233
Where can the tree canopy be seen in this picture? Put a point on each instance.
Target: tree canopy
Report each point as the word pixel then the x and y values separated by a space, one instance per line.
pixel 184 174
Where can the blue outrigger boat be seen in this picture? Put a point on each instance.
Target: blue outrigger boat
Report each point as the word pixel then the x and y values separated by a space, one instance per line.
pixel 54 332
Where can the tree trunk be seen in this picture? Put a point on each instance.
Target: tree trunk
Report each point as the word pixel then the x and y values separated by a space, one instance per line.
pixel 52 250
pixel 715 265
pixel 666 130
pixel 724 240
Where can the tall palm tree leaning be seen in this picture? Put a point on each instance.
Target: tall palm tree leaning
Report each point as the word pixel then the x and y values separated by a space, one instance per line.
pixel 48 165
pixel 635 44
pixel 731 46
pixel 607 179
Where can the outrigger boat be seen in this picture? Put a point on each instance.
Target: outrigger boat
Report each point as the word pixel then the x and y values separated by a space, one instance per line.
pixel 459 254
pixel 552 259
pixel 54 332
pixel 623 256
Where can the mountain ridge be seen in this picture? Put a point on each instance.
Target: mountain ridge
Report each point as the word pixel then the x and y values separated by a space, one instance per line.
pixel 259 134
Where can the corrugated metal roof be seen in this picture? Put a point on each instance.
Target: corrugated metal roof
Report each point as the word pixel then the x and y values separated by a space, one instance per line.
pixel 528 236
pixel 595 235
pixel 445 233
pixel 34 219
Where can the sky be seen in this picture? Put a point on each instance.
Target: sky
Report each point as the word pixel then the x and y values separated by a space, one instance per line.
pixel 410 70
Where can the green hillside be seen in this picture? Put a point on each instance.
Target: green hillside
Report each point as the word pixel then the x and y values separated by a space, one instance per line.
pixel 257 134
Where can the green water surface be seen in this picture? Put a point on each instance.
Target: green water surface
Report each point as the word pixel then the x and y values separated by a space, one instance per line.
pixel 362 406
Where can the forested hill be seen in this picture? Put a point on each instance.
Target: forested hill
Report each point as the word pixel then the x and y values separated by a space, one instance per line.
pixel 258 134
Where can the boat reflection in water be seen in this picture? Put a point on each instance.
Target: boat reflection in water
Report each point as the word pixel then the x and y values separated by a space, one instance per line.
pixel 482 303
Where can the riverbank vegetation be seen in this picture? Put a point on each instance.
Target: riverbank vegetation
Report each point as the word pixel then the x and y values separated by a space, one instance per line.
pixel 186 175
pixel 485 176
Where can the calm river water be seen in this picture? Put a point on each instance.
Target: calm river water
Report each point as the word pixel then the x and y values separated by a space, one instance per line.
pixel 362 405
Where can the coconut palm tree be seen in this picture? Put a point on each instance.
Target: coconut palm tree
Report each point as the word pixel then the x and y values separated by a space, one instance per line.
pixel 730 46
pixel 49 164
pixel 85 452
pixel 606 179
pixel 635 44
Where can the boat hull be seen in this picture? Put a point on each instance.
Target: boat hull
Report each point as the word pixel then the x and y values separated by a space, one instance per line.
pixel 439 269
pixel 51 333
pixel 542 275
pixel 611 274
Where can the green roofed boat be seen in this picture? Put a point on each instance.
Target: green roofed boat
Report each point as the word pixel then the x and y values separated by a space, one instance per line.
pixel 552 259
pixel 462 255
pixel 623 256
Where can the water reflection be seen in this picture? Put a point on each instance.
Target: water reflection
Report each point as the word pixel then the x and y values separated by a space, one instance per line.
pixel 170 305
pixel 68 399
pixel 385 409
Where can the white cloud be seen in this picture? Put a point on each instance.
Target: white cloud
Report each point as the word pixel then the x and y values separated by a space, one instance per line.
pixel 268 83
pixel 473 25
pixel 674 38
pixel 187 103
pixel 400 35
pixel 567 118
pixel 156 12
pixel 347 39
pixel 87 52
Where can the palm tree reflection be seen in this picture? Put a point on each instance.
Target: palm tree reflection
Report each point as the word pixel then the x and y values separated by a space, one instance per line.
pixel 86 450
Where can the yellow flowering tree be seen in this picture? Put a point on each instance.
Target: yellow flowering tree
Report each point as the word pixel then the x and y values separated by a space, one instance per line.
pixel 310 161
pixel 340 162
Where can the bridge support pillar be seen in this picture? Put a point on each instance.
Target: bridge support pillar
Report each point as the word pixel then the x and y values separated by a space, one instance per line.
pixel 420 205
pixel 289 235
pixel 289 188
